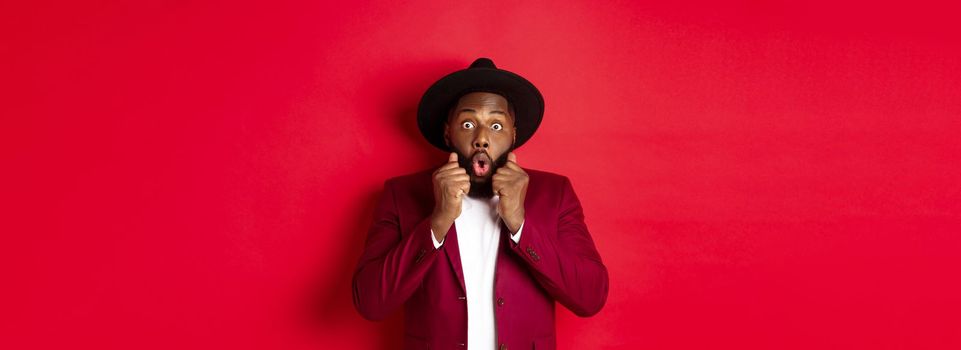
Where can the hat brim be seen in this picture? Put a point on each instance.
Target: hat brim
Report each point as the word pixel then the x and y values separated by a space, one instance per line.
pixel 437 101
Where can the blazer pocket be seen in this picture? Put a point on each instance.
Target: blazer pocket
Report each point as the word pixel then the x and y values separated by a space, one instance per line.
pixel 414 343
pixel 545 343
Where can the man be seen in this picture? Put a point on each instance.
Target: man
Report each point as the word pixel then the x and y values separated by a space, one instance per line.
pixel 479 249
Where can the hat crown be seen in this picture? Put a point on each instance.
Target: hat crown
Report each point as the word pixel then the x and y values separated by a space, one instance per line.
pixel 481 75
pixel 483 62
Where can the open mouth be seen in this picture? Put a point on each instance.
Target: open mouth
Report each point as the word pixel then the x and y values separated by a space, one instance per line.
pixel 481 163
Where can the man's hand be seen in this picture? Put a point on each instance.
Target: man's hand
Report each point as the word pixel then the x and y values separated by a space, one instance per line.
pixel 451 184
pixel 510 183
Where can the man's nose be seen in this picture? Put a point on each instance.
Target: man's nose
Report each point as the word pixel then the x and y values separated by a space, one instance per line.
pixel 480 140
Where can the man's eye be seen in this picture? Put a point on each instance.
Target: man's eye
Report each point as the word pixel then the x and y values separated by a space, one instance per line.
pixel 468 125
pixel 497 126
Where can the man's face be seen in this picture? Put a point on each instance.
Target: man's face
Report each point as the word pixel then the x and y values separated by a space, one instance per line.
pixel 480 129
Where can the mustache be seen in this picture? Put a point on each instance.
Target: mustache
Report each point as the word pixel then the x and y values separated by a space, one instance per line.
pixel 465 161
pixel 481 187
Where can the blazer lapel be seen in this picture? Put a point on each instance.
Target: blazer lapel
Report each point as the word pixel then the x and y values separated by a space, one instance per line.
pixel 453 255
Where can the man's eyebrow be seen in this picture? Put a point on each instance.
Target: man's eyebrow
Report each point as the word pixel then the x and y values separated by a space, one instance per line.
pixel 473 111
pixel 470 110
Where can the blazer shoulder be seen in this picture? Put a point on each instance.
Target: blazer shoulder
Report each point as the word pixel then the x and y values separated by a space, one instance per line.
pixel 547 178
pixel 411 180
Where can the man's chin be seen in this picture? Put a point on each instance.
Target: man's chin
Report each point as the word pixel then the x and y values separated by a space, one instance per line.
pixel 481 187
pixel 474 179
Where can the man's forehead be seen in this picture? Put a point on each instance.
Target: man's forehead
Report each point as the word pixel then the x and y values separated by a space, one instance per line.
pixel 482 99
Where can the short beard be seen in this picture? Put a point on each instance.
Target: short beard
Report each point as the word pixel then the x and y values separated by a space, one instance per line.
pixel 480 187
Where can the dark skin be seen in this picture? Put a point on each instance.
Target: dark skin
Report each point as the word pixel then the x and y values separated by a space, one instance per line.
pixel 480 122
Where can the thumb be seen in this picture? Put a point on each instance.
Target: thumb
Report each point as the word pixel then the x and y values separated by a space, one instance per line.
pixel 452 158
pixel 511 157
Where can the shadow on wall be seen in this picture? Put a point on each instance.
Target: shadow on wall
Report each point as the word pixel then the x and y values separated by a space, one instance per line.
pixel 330 301
pixel 395 90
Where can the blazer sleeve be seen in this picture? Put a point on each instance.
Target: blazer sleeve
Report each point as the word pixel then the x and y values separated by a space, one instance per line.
pixel 393 263
pixel 562 257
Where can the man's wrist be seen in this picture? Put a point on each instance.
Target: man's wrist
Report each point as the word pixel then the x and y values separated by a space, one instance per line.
pixel 437 242
pixel 516 236
pixel 439 227
pixel 514 222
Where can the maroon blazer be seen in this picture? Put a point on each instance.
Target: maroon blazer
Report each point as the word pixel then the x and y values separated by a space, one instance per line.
pixel 555 260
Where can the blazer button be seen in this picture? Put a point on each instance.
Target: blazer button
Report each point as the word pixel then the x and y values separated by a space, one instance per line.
pixel 500 301
pixel 503 346
pixel 530 251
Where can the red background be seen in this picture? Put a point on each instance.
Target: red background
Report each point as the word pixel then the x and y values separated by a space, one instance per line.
pixel 756 175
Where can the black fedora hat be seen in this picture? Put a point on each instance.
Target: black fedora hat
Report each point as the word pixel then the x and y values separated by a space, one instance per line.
pixel 481 76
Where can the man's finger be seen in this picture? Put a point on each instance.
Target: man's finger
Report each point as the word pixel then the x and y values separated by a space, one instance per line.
pixel 508 169
pixel 511 157
pixel 454 178
pixel 458 187
pixel 449 169
pixel 449 165
pixel 446 167
pixel 453 157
